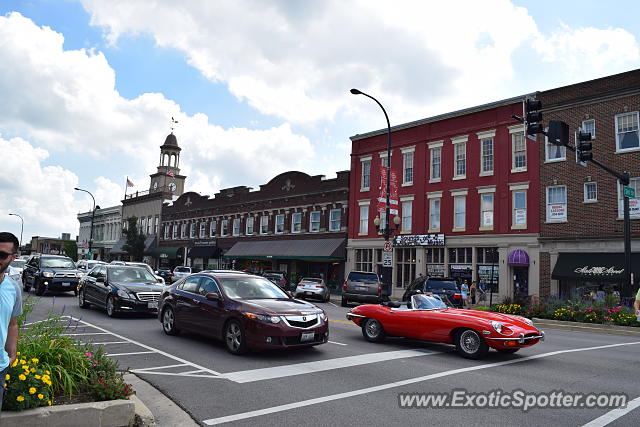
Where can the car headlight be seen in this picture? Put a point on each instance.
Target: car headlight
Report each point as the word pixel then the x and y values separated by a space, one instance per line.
pixel 497 326
pixel 79 275
pixel 262 317
pixel 47 274
pixel 525 320
pixel 323 316
pixel 125 294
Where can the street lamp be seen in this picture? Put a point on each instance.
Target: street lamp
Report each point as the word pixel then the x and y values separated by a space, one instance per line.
pixel 21 227
pixel 93 213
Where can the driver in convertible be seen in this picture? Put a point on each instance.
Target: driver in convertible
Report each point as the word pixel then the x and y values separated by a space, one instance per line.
pixel 427 301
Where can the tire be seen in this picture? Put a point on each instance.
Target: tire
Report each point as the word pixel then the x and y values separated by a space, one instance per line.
pixel 75 292
pixel 82 302
pixel 111 307
pixel 508 350
pixel 234 338
pixel 169 322
pixel 40 289
pixel 470 344
pixel 327 298
pixel 373 331
pixel 25 286
pixel 345 302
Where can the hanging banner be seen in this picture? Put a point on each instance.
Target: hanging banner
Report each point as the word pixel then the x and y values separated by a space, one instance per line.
pixel 382 199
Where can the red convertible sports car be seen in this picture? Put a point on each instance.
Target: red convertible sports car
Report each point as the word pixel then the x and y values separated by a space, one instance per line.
pixel 427 317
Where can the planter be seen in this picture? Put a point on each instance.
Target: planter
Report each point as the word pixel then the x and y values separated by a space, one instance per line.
pixel 111 413
pixel 587 327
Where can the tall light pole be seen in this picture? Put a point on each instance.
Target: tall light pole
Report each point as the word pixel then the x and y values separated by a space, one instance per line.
pixel 93 213
pixel 21 227
pixel 387 230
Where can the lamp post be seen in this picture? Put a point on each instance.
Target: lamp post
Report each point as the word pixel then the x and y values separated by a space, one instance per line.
pixel 93 213
pixel 386 232
pixel 21 227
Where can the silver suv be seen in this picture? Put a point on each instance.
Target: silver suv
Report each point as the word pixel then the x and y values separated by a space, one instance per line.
pixel 363 286
pixel 179 272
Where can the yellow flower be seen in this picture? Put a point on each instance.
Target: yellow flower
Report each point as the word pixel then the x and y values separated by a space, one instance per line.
pixel 40 396
pixel 49 403
pixel 22 377
pixel 22 361
pixel 5 385
pixel 32 390
pixel 18 353
pixel 15 362
pixel 37 377
pixel 48 373
pixel 32 370
pixel 35 360
pixel 7 377
pixel 20 398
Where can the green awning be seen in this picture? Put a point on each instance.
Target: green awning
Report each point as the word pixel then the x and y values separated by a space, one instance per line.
pixel 170 252
pixel 311 249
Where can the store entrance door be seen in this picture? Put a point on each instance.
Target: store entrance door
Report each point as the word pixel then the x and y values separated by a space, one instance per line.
pixel 520 282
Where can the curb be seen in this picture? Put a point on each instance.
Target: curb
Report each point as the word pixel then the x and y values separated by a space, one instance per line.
pixel 588 327
pixel 144 417
pixel 111 413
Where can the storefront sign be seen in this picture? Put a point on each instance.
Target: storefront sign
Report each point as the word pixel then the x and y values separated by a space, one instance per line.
pixel 634 207
pixel 419 240
pixel 602 271
pixel 484 273
pixel 210 242
pixel 487 219
pixel 435 270
pixel 558 211
pixel 520 217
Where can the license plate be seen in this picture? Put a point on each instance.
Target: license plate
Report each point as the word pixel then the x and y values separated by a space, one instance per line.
pixel 307 336
pixel 308 293
pixel 65 284
pixel 361 288
pixel 153 304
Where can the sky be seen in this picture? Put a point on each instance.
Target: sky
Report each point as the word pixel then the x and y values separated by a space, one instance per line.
pixel 259 87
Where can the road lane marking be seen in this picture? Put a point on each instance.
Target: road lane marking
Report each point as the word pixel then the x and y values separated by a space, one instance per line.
pixel 303 403
pixel 88 333
pixel 337 343
pixel 342 321
pixel 321 365
pixel 101 343
pixel 332 304
pixel 129 354
pixel 174 374
pixel 161 367
pixel 614 414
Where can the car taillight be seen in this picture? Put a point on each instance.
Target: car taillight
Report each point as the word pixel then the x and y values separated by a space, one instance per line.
pixel 344 286
pixel 320 286
pixel 283 281
pixel 379 288
pixel 457 296
pixel 300 285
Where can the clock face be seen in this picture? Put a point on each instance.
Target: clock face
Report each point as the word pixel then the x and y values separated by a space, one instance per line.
pixel 172 186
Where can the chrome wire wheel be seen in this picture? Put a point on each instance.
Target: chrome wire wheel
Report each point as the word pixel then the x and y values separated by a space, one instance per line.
pixel 234 337
pixel 373 330
pixel 469 341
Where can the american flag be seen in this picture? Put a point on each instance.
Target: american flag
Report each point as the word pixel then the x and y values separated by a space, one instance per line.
pixel 171 174
pixel 129 183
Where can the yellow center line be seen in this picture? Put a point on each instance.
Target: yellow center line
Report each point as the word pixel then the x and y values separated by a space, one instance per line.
pixel 343 321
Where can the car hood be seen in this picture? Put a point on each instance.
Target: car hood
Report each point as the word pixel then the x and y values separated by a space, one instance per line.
pixel 62 270
pixel 139 287
pixel 279 306
pixel 488 316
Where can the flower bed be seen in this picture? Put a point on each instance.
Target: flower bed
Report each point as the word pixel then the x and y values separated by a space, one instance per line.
pixel 53 368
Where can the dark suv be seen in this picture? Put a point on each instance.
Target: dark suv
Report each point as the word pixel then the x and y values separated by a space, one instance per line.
pixel 363 286
pixel 50 272
pixel 442 286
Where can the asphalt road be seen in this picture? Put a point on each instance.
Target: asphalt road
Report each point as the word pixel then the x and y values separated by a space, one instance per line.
pixel 349 381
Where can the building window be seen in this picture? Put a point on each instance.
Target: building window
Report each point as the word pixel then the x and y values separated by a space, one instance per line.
pixel 519 150
pixel 460 212
pixel 334 219
pixel 156 220
pixel 365 181
pixel 406 263
pixel 142 224
pixel 236 226
pixel 384 160
pixel 296 222
pixel 264 224
pixel 486 211
pixel 183 231
pixel 407 168
pixel 487 156
pixel 249 226
pixel 519 209
pixel 192 230
pixel 557 203
pixel 212 228
pixel 314 221
pixel 460 152
pixel 436 163
pixel 553 152
pixel 589 126
pixel 174 229
pixel 166 232
pixel 406 216
pixel 434 214
pixel 364 220
pixel 634 203
pixel 280 224
pixel 460 255
pixel 627 131
pixel 224 227
pixel 590 192
pixel 364 259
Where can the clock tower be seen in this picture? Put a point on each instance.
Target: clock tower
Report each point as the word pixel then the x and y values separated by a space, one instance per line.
pixel 168 178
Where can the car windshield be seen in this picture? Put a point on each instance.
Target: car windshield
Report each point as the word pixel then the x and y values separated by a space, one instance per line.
pixel 18 263
pixel 58 263
pixel 427 302
pixel 441 284
pixel 363 277
pixel 130 275
pixel 250 288
pixel 183 270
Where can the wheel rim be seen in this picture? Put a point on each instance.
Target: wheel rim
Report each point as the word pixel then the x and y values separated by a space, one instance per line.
pixel 81 298
pixel 234 336
pixel 110 307
pixel 372 328
pixel 469 341
pixel 167 320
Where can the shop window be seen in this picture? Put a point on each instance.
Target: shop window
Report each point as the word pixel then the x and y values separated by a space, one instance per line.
pixel 405 266
pixel 364 259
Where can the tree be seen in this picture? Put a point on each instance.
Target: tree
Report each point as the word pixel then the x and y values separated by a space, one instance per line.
pixel 134 245
pixel 70 249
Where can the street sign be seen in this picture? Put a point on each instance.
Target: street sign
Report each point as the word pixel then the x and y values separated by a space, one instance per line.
pixel 388 247
pixel 629 192
pixel 387 259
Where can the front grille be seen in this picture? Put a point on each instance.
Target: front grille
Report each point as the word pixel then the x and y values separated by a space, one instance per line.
pixel 300 322
pixel 148 296
pixel 296 340
pixel 63 275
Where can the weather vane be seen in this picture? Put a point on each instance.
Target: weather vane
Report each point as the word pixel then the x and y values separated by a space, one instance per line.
pixel 173 122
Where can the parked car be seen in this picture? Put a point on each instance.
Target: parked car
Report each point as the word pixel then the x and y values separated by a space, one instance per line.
pixel 445 287
pixel 180 272
pixel 87 264
pixel 146 266
pixel 118 263
pixel 429 318
pixel 50 272
pixel 277 277
pixel 243 310
pixel 166 274
pixel 15 269
pixel 120 288
pixel 363 286
pixel 311 287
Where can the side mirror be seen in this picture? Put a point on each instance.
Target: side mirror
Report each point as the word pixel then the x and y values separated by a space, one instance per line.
pixel 213 296
pixel 100 279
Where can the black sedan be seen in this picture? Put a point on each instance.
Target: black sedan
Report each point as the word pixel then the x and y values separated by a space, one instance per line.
pixel 119 289
pixel 243 310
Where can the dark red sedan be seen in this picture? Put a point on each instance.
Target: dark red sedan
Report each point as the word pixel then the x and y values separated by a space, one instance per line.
pixel 243 310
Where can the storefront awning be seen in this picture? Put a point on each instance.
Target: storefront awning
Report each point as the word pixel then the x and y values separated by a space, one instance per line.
pixel 149 244
pixel 204 252
pixel 117 248
pixel 593 267
pixel 518 258
pixel 312 249
pixel 169 252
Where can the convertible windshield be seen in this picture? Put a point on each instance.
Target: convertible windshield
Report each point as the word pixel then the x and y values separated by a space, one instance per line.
pixel 58 263
pixel 130 274
pixel 18 263
pixel 250 288
pixel 427 302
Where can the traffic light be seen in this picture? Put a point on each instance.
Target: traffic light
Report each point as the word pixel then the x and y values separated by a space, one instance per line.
pixel 532 116
pixel 558 133
pixel 583 146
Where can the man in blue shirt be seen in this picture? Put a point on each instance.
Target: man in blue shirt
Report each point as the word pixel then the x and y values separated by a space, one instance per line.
pixel 10 307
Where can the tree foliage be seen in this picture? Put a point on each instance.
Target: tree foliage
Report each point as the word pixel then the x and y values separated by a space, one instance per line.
pixel 134 245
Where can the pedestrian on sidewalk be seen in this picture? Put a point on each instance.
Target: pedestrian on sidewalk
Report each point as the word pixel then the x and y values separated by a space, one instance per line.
pixel 10 307
pixel 472 292
pixel 636 305
pixel 464 290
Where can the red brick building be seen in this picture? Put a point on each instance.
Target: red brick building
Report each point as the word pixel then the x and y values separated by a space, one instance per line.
pixel 581 231
pixel 468 188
